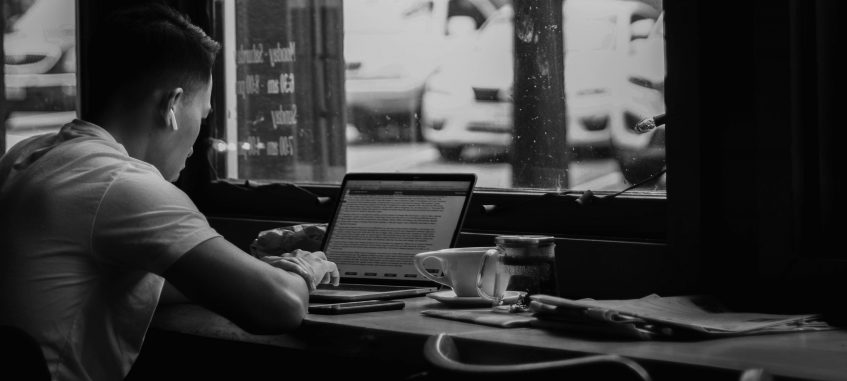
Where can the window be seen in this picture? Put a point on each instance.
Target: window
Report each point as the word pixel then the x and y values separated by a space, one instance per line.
pixel 428 88
pixel 40 67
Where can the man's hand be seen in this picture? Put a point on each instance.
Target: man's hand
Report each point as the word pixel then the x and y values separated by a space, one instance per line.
pixel 287 239
pixel 312 266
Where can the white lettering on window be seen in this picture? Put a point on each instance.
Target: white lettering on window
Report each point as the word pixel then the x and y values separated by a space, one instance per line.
pixel 282 117
pixel 251 55
pixel 279 54
pixel 283 85
pixel 286 146
pixel 249 86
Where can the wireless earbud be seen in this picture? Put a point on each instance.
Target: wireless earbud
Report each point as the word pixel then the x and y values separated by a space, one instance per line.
pixel 173 120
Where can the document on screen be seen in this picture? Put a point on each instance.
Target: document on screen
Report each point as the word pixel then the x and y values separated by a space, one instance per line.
pixel 380 226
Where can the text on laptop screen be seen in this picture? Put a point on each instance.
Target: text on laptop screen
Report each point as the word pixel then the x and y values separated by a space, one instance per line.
pixel 381 224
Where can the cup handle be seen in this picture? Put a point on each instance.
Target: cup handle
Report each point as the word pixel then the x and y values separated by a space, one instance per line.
pixel 419 265
pixel 490 254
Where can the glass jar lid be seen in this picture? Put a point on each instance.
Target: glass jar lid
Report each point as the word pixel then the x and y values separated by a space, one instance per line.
pixel 523 240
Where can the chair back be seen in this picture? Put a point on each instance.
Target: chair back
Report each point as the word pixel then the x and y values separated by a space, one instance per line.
pixel 445 358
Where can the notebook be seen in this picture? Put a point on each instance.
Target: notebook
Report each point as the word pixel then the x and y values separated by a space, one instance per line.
pixel 381 221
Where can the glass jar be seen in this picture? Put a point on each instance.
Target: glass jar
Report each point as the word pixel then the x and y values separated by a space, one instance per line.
pixel 523 264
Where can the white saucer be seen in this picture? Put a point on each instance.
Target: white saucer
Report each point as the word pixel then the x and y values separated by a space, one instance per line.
pixel 449 297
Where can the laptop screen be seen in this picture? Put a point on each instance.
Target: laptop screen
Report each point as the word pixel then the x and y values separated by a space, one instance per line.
pixel 380 224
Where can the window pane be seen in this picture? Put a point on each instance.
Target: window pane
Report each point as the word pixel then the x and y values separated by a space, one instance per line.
pixel 428 88
pixel 40 66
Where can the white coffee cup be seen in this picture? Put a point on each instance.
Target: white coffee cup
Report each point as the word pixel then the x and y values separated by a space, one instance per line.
pixel 461 267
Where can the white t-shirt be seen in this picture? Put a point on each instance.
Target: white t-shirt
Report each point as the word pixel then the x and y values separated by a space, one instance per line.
pixel 85 233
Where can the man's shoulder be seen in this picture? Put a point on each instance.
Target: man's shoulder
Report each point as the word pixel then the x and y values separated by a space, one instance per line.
pixel 96 161
pixel 71 150
pixel 99 157
pixel 140 176
pixel 142 183
pixel 63 167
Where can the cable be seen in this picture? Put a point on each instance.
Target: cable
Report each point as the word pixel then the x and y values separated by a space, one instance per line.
pixel 489 209
pixel 588 196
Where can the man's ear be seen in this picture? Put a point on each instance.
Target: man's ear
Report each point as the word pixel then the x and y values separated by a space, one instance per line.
pixel 168 101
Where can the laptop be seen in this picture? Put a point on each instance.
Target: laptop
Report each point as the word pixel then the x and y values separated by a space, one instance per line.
pixel 381 221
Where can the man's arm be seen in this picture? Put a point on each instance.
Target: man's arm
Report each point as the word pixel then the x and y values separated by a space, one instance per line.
pixel 257 297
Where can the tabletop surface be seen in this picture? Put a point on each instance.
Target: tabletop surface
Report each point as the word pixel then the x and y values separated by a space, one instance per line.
pixel 807 355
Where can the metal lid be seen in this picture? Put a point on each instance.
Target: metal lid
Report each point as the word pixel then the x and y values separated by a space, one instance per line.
pixel 524 240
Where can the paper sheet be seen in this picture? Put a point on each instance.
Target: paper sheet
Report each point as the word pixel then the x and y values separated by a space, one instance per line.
pixel 695 312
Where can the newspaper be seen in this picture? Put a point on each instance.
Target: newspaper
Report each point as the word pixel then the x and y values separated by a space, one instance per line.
pixel 655 316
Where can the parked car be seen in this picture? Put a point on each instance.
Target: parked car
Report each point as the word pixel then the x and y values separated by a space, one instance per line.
pixel 392 46
pixel 40 58
pixel 468 100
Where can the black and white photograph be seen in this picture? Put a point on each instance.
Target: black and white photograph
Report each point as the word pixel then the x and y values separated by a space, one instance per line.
pixel 422 190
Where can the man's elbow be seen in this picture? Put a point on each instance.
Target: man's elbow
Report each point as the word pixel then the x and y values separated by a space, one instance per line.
pixel 282 324
pixel 284 313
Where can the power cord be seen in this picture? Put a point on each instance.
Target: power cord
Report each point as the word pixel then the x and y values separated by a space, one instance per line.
pixel 588 196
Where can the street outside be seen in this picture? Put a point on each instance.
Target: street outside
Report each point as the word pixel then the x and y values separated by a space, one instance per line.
pixel 492 171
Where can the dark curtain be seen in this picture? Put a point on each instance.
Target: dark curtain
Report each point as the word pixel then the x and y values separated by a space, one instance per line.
pixel 4 114
pixel 755 94
pixel 818 81
pixel 819 261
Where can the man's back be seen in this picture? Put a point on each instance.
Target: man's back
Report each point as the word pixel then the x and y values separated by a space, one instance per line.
pixel 84 229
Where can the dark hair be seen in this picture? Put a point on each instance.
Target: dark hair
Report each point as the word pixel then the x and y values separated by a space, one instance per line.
pixel 138 50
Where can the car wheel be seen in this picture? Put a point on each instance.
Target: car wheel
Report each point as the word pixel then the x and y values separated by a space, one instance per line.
pixel 451 153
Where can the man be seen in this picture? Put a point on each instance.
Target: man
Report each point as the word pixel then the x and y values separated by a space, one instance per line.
pixel 90 226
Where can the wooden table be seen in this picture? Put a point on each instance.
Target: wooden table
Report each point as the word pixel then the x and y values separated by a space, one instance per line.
pixel 397 337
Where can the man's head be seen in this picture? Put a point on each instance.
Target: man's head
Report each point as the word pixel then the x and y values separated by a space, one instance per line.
pixel 151 72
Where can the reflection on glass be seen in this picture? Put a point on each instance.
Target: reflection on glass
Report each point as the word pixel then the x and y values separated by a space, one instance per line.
pixel 279 121
pixel 428 88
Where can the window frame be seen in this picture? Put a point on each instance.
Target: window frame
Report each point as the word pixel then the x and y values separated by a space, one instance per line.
pixel 635 217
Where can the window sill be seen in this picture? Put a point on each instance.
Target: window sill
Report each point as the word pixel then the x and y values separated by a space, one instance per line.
pixel 636 216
